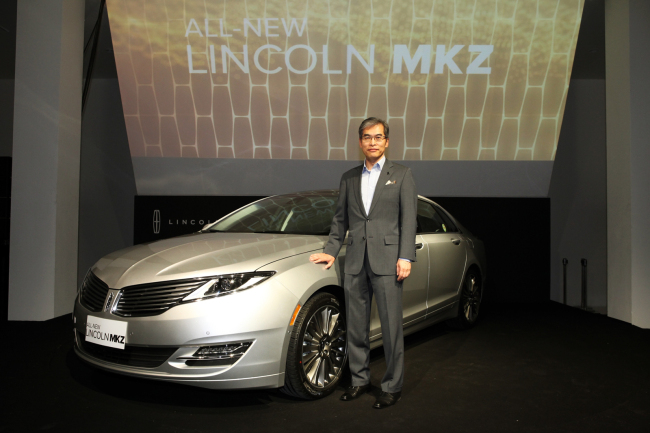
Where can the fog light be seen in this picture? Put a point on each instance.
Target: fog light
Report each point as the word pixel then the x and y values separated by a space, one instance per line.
pixel 222 355
pixel 223 350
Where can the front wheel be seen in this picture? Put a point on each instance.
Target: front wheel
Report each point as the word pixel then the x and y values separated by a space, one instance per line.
pixel 469 301
pixel 317 349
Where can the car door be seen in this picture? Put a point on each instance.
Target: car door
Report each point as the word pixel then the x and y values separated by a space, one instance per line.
pixel 447 255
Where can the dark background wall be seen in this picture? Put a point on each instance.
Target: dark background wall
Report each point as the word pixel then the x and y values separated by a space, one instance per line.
pixel 7 67
pixel 6 116
pixel 5 213
pixel 516 233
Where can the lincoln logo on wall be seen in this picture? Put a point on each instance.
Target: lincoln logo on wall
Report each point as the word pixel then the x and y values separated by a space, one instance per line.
pixel 182 221
pixel 156 221
pixel 158 217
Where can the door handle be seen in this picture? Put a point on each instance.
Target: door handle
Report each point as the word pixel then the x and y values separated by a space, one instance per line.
pixel 419 246
pixel 455 241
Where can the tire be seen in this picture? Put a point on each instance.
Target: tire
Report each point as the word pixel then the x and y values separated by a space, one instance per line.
pixel 317 349
pixel 469 301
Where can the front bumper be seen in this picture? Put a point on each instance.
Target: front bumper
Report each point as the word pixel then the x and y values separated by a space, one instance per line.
pixel 260 315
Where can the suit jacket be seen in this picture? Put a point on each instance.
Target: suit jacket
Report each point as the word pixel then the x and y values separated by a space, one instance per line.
pixel 389 228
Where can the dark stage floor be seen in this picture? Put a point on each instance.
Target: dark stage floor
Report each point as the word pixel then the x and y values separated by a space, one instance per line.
pixel 523 368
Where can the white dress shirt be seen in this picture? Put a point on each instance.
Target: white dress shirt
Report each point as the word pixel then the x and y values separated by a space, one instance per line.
pixel 369 180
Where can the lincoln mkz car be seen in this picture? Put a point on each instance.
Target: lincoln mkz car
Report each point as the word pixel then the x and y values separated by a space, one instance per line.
pixel 239 305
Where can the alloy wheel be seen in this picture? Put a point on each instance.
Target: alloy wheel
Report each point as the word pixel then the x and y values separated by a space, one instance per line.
pixel 472 299
pixel 324 346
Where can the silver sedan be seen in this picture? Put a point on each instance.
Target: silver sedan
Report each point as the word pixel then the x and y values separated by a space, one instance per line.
pixel 239 304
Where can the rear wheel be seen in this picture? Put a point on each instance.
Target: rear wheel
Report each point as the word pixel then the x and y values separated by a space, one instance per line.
pixel 317 349
pixel 469 301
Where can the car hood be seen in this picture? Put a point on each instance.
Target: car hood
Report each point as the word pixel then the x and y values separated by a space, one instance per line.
pixel 200 255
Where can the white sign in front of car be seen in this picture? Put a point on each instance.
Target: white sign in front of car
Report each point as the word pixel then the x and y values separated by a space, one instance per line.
pixel 111 333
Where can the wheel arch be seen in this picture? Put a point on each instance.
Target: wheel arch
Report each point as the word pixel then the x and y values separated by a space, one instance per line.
pixel 477 268
pixel 335 290
pixel 481 276
pixel 459 322
pixel 476 265
pixel 324 294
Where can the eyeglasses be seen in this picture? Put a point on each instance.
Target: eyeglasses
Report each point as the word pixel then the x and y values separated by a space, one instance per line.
pixel 369 138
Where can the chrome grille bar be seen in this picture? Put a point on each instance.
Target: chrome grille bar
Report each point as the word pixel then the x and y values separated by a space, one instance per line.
pixel 161 294
pixel 93 292
pixel 166 285
pixel 155 298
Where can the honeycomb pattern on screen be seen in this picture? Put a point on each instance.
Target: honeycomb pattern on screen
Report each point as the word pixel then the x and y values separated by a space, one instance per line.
pixel 512 113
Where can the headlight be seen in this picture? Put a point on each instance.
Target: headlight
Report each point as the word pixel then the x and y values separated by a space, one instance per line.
pixel 227 284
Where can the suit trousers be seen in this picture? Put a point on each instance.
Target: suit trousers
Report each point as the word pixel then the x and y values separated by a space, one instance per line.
pixel 359 291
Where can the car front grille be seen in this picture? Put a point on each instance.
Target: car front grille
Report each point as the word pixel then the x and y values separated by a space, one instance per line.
pixel 93 292
pixel 134 356
pixel 153 299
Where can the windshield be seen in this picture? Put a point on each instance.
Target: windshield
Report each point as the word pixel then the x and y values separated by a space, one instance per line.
pixel 307 213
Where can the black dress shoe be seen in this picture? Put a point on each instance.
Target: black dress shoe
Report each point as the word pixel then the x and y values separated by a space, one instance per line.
pixel 354 391
pixel 386 399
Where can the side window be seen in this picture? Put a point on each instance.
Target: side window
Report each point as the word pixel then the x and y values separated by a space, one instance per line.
pixel 428 219
pixel 449 224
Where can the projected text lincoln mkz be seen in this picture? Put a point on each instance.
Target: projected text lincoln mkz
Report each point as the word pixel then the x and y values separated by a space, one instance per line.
pixel 239 304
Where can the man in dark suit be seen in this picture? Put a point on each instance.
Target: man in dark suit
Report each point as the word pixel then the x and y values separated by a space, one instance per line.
pixel 378 205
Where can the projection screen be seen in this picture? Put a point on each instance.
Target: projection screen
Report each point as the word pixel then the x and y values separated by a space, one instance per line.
pixel 259 97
